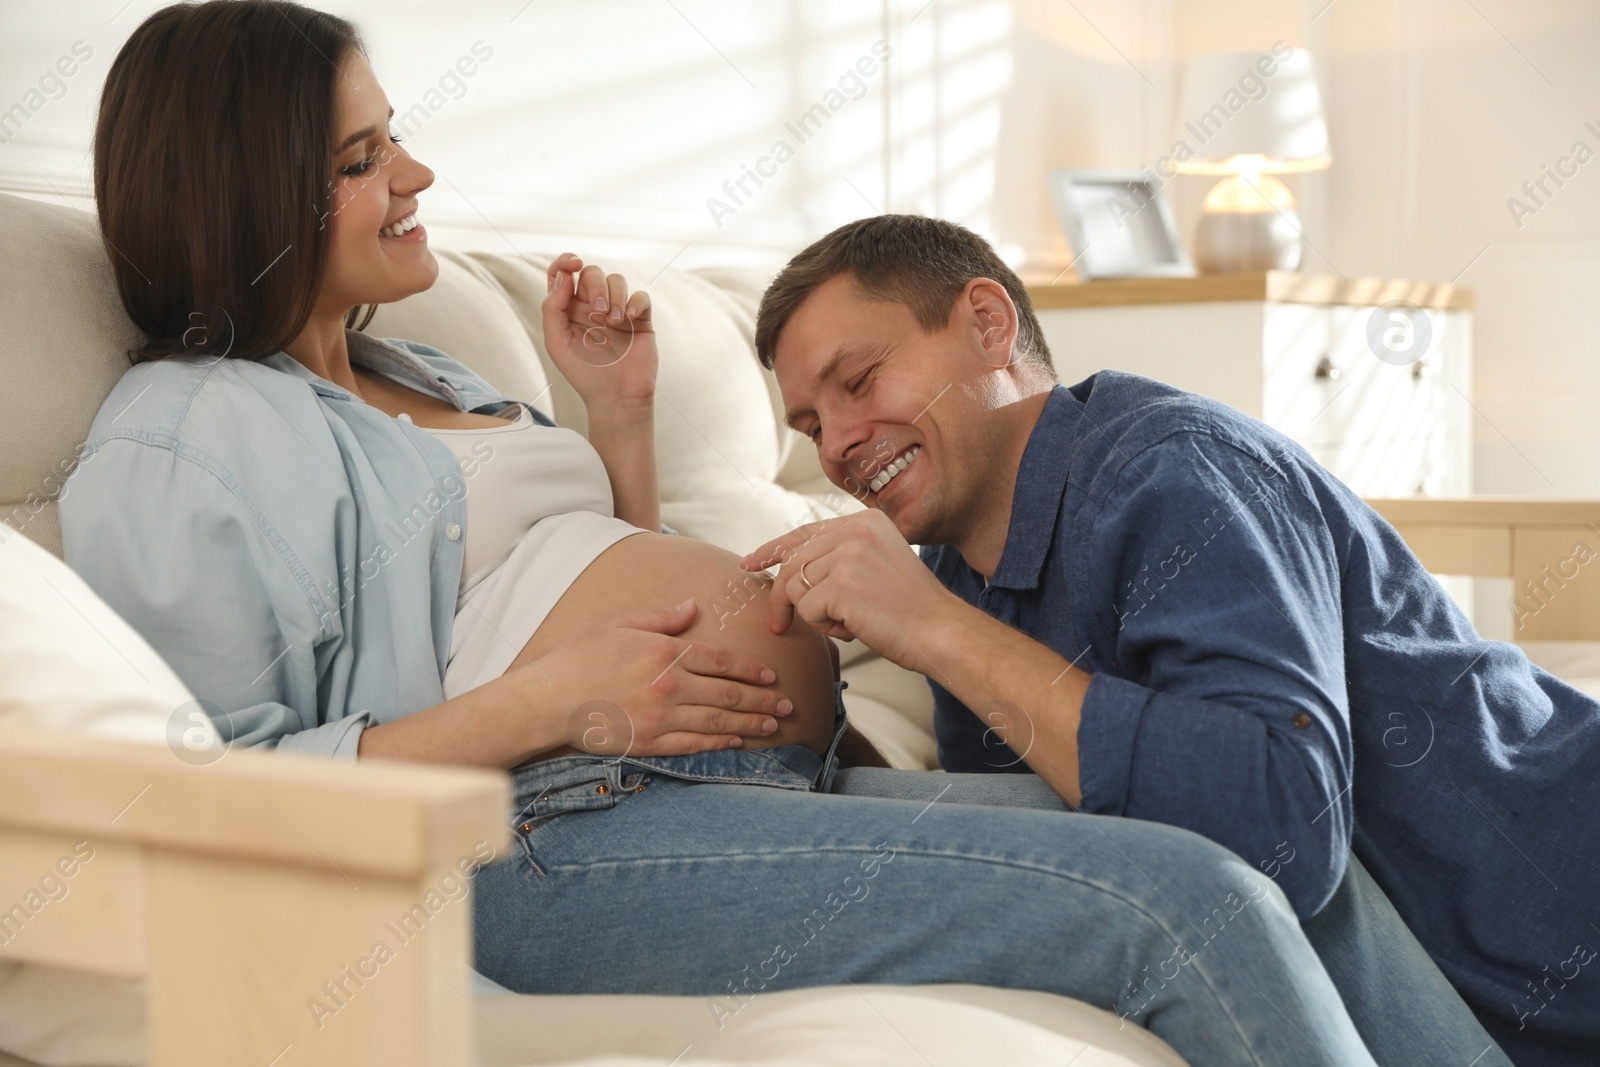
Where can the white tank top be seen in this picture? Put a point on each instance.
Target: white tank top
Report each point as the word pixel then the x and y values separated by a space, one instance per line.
pixel 539 511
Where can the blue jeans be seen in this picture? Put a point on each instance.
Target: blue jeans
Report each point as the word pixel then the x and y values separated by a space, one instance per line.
pixel 1401 1003
pixel 727 874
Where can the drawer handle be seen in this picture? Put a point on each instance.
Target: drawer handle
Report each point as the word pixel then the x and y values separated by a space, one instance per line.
pixel 1327 372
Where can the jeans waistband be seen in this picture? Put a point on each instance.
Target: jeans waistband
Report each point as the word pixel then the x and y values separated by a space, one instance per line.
pixel 585 781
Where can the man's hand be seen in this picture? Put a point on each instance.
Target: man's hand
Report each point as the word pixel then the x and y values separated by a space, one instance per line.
pixel 598 335
pixel 861 579
pixel 856 577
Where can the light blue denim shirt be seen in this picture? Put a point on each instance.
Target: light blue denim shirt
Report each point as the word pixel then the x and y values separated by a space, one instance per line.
pixel 293 552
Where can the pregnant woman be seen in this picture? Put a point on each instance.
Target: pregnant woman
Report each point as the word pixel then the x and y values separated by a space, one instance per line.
pixel 359 548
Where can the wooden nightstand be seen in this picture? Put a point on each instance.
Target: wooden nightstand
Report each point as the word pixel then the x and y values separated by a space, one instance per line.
pixel 1373 376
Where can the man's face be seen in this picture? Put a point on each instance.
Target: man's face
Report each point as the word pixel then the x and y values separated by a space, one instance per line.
pixel 905 420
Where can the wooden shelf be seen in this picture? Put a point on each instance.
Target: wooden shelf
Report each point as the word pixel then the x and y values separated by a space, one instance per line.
pixel 1288 287
pixel 1489 511
pixel 1544 547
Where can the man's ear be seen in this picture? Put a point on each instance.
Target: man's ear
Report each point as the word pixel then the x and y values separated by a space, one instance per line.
pixel 992 322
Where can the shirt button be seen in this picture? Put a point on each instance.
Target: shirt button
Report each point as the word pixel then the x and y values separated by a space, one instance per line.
pixel 453 531
pixel 403 417
pixel 1301 721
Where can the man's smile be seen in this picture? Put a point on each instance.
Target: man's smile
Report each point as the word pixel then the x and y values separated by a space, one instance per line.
pixel 890 471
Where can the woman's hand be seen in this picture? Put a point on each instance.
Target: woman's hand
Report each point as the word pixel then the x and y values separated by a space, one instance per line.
pixel 627 686
pixel 603 342
pixel 599 335
pixel 631 687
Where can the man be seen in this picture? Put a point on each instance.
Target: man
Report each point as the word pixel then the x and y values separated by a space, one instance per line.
pixel 1166 610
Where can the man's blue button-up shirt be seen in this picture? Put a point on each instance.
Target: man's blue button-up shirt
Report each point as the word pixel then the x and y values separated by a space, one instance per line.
pixel 1274 669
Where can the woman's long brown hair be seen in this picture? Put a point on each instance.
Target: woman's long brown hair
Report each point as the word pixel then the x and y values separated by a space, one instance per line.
pixel 213 168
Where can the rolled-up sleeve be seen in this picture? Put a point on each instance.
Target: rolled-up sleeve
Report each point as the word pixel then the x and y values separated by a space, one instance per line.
pixel 162 536
pixel 339 740
pixel 1227 712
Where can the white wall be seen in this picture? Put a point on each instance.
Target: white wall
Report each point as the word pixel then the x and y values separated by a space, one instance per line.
pixel 607 126
pixel 1442 116
pixel 613 125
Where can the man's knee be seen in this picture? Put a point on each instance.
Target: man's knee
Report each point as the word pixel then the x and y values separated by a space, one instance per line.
pixel 1212 882
pixel 986 790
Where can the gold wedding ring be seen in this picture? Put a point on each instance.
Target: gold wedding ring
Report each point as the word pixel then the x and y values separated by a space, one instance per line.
pixel 803 578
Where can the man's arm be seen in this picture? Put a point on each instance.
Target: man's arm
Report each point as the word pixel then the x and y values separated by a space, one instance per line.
pixel 864 582
pixel 1212 585
pixel 1028 696
pixel 1213 698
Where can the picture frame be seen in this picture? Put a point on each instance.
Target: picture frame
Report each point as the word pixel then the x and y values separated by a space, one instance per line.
pixel 1119 224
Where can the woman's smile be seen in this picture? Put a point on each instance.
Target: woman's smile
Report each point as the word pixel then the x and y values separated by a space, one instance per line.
pixel 406 230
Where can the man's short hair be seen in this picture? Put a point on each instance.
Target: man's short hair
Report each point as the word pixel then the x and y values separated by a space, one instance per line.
pixel 920 262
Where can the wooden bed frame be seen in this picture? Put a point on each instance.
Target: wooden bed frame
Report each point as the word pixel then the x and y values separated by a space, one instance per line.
pixel 1535 543
pixel 250 891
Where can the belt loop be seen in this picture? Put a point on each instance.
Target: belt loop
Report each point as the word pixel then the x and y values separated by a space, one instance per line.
pixel 615 774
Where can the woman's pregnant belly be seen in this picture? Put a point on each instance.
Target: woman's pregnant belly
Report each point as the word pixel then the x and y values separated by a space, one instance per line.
pixel 649 570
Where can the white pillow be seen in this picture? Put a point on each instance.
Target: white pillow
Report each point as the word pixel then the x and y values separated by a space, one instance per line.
pixel 68 662
pixel 719 445
pixel 39 1019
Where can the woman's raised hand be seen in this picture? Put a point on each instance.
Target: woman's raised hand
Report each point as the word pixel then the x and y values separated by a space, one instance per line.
pixel 598 334
pixel 632 687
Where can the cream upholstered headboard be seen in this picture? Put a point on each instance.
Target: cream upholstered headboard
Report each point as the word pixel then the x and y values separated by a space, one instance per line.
pixel 726 461
pixel 729 468
pixel 63 347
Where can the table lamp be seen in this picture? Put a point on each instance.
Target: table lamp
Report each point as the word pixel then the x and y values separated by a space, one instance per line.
pixel 1250 115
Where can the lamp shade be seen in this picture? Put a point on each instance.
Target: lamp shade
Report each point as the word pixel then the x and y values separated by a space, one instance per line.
pixel 1255 112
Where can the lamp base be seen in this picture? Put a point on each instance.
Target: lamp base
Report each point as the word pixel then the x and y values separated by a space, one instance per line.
pixel 1228 243
pixel 1249 224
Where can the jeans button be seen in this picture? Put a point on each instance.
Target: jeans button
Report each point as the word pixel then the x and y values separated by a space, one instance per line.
pixel 602 789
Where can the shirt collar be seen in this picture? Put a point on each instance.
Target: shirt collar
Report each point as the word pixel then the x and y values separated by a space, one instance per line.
pixel 375 355
pixel 1036 498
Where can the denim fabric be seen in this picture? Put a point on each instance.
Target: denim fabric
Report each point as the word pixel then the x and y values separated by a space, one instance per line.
pixel 726 874
pixel 292 552
pixel 1399 999
pixel 1275 670
pixel 1403 1006
pixel 582 782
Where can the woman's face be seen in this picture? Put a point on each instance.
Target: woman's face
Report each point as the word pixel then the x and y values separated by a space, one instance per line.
pixel 372 258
